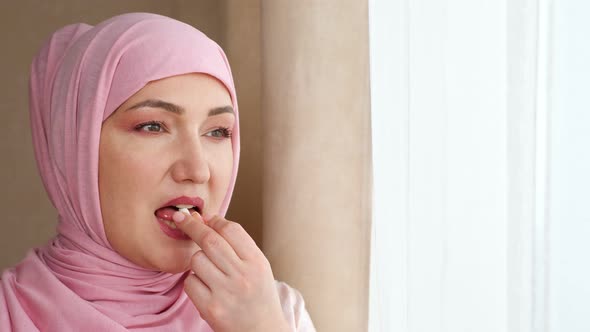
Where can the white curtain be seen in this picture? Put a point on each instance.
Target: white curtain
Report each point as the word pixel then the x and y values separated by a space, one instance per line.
pixel 460 109
pixel 568 308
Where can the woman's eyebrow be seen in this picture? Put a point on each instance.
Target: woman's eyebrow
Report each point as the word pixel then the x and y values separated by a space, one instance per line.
pixel 156 103
pixel 170 107
pixel 221 110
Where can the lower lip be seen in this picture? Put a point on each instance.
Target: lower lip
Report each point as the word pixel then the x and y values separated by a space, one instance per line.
pixel 176 234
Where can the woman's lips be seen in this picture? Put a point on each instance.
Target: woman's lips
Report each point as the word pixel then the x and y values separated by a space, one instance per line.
pixel 195 201
pixel 164 216
pixel 165 213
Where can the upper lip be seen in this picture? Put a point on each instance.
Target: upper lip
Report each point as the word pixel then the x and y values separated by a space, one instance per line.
pixel 197 202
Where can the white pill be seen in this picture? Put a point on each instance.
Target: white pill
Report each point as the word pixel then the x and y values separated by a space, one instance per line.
pixel 185 211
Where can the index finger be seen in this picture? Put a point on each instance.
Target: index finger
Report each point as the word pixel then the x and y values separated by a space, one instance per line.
pixel 214 245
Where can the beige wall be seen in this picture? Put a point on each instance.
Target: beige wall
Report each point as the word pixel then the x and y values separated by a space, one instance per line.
pixel 242 44
pixel 28 218
pixel 316 160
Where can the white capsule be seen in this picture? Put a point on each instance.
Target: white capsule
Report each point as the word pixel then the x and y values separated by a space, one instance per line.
pixel 184 210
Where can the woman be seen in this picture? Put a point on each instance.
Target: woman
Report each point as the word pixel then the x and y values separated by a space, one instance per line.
pixel 133 121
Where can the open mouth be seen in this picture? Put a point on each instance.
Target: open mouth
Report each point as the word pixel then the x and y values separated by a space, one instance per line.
pixel 165 213
pixel 190 208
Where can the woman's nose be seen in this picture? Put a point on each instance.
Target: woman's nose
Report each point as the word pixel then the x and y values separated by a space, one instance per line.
pixel 191 164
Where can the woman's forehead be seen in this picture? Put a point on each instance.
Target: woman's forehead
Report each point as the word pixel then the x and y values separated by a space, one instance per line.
pixel 177 93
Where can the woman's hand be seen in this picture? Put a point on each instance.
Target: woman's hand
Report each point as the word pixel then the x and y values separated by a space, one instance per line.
pixel 232 286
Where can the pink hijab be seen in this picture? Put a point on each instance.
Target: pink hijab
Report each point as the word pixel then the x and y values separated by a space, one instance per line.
pixel 81 75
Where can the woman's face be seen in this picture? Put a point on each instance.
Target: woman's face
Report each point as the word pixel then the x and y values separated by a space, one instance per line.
pixel 171 139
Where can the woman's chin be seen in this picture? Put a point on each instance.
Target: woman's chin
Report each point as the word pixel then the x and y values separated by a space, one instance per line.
pixel 174 269
pixel 172 266
pixel 173 260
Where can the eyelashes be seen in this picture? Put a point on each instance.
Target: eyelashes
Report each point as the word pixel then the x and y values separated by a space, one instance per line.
pixel 159 127
pixel 222 132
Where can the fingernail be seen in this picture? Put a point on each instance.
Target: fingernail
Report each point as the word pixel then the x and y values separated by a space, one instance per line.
pixel 178 216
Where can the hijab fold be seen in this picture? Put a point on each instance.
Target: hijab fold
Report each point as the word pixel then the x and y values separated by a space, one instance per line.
pixel 77 282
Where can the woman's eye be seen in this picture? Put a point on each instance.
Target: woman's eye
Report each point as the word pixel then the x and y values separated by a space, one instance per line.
pixel 220 133
pixel 152 126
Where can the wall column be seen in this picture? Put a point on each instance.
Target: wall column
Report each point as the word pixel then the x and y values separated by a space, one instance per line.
pixel 316 154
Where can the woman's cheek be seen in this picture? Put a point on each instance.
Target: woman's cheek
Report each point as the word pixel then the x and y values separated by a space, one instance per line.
pixel 143 167
pixel 221 166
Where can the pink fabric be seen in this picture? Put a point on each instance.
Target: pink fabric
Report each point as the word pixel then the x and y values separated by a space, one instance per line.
pixel 82 74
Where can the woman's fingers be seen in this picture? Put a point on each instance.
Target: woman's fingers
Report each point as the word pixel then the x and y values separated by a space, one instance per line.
pixel 214 245
pixel 233 285
pixel 208 272
pixel 236 236
pixel 197 291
